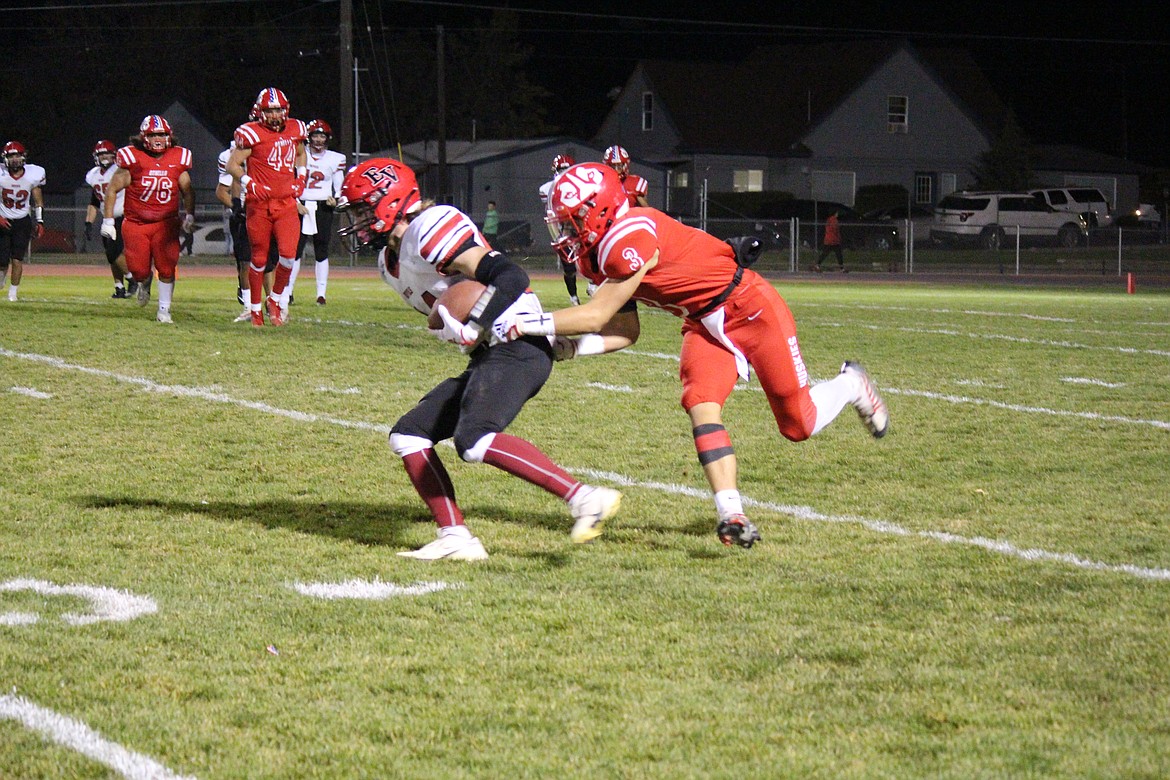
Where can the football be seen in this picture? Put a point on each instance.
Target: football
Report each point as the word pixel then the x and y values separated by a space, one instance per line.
pixel 458 298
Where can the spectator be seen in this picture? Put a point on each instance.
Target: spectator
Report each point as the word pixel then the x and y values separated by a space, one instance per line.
pixel 832 243
pixel 491 225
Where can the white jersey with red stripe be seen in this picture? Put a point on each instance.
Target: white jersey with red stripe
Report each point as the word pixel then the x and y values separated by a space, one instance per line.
pixel 434 238
pixel 16 191
pixel 326 173
pixel 99 180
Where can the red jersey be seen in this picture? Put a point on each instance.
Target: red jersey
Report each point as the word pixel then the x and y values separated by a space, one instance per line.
pixel 635 187
pixel 274 154
pixel 153 194
pixel 693 266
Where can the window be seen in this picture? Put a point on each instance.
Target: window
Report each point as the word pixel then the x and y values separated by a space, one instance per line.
pixel 923 188
pixel 681 179
pixel 1057 198
pixel 897 113
pixel 747 181
pixel 647 110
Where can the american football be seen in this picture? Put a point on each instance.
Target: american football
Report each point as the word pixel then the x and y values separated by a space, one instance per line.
pixel 458 298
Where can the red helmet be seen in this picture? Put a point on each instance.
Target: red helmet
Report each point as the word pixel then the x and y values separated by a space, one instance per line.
pixel 617 158
pixel 584 202
pixel 562 163
pixel 254 113
pixel 320 126
pixel 273 107
pixel 14 155
pixel 103 147
pixel 155 133
pixel 378 194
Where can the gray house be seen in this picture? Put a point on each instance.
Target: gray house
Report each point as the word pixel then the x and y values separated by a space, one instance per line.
pixel 820 121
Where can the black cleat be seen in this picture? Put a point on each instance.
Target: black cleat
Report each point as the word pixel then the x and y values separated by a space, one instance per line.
pixel 119 292
pixel 737 529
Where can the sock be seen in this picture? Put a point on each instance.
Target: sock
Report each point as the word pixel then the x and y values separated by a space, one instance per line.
pixel 166 291
pixel 256 285
pixel 831 397
pixel 118 285
pixel 292 277
pixel 461 531
pixel 12 292
pixel 728 503
pixel 322 269
pixel 280 281
pixel 522 459
pixel 429 477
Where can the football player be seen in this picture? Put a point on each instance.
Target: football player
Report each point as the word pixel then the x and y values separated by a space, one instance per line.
pixel 273 151
pixel 154 174
pixel 21 211
pixel 428 247
pixel 560 164
pixel 98 177
pixel 636 187
pixel 326 171
pixel 733 322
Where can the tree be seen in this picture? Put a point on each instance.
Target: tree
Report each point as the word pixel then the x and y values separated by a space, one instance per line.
pixel 1007 165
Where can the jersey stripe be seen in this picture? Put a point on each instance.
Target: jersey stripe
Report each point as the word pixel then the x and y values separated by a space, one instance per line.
pixel 620 230
pixel 438 242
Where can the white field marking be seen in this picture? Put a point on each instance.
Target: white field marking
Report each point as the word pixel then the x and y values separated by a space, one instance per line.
pixel 973 312
pixel 340 391
pixel 1080 380
pixel 363 589
pixel 1003 337
pixel 959 399
pixel 614 388
pixel 31 392
pixel 183 391
pixel 977 383
pixel 876 525
pixel 885 527
pixel 106 604
pixel 76 735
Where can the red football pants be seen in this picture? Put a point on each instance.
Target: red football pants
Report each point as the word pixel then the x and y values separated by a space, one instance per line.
pixel 151 242
pixel 268 220
pixel 759 323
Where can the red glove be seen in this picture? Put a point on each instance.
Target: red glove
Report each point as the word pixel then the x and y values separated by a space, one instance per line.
pixel 38 229
pixel 254 189
pixel 5 224
pixel 298 187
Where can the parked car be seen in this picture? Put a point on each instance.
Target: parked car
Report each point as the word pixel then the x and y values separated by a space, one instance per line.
pixel 921 218
pixel 987 218
pixel 1087 201
pixel 856 231
pixel 1144 216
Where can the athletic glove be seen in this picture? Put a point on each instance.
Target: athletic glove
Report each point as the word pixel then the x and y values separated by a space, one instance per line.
pixel 189 223
pixel 38 229
pixel 5 224
pixel 466 337
pixel 254 189
pixel 564 348
pixel 89 231
pixel 108 229
pixel 298 188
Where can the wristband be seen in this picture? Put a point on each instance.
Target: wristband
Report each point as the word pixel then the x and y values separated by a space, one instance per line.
pixel 302 172
pixel 37 211
pixel 108 221
pixel 590 344
pixel 245 180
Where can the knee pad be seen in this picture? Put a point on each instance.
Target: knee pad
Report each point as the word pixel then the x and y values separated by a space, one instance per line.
pixel 474 453
pixel 405 444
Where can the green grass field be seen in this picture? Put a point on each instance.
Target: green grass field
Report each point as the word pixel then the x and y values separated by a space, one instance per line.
pixel 983 593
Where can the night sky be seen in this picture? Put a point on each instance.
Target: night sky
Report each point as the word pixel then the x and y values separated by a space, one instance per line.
pixel 1094 78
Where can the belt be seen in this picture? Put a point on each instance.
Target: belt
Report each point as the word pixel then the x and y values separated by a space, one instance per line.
pixel 720 298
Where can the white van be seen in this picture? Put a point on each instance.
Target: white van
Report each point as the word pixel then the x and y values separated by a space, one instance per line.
pixel 1080 200
pixel 990 218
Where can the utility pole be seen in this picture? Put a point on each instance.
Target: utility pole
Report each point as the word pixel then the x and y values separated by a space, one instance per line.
pixel 442 93
pixel 347 129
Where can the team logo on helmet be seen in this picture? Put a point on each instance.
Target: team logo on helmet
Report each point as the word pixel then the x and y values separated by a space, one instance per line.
pixel 273 105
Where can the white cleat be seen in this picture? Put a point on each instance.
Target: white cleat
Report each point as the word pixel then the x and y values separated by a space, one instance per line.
pixel 591 507
pixel 244 316
pixel 870 406
pixel 454 548
pixel 165 318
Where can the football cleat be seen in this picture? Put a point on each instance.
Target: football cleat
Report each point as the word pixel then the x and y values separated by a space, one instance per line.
pixel 119 292
pixel 737 529
pixel 451 547
pixel 243 316
pixel 276 315
pixel 591 507
pixel 257 318
pixel 320 300
pixel 240 296
pixel 142 294
pixel 165 317
pixel 870 406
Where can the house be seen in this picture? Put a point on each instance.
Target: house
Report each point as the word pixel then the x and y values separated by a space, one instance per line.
pixel 818 121
pixel 1072 166
pixel 510 172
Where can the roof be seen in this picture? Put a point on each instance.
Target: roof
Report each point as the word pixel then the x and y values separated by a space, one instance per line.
pixel 1063 157
pixel 769 101
pixel 422 153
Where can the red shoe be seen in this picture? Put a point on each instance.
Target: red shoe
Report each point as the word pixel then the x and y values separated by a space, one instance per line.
pixel 275 313
pixel 257 319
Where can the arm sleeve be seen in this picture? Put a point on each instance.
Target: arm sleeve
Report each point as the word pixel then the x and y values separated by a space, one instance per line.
pixel 506 282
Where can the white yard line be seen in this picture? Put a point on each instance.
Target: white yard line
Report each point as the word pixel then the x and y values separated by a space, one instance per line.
pixel 75 735
pixel 365 589
pixel 804 513
pixel 30 392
